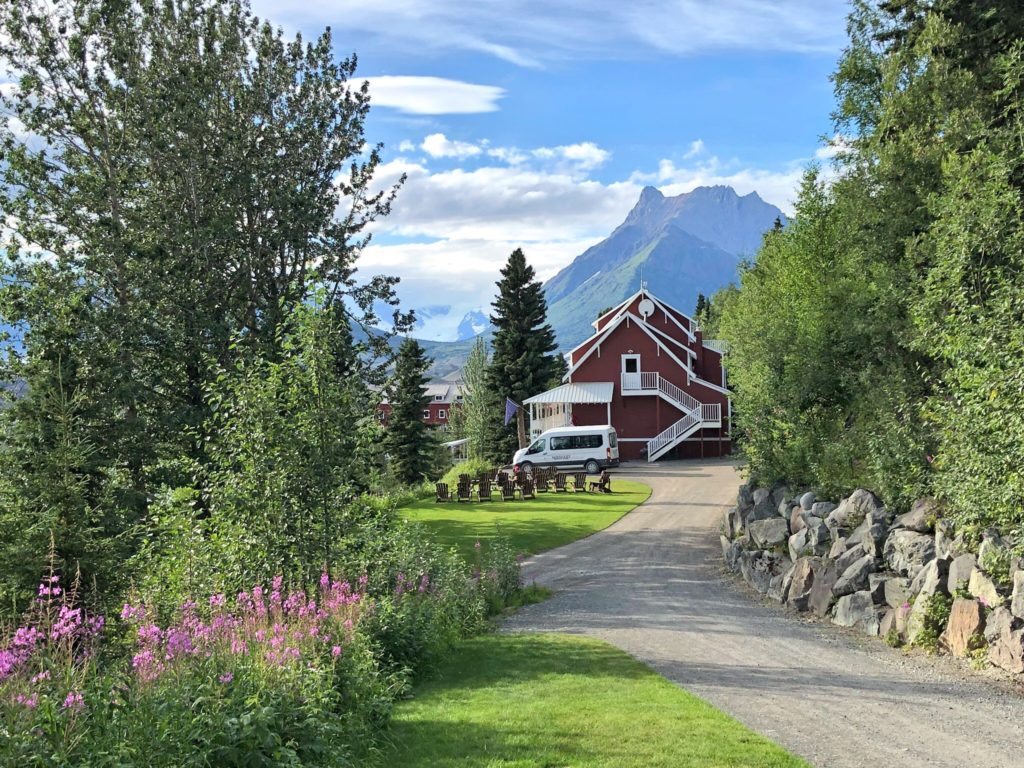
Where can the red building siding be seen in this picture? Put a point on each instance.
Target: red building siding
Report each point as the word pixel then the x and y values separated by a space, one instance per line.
pixel 638 418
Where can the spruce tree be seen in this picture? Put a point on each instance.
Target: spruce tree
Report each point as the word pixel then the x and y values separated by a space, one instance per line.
pixel 522 363
pixel 409 441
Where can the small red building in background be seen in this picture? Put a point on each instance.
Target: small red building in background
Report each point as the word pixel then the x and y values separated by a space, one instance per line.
pixel 647 371
pixel 444 396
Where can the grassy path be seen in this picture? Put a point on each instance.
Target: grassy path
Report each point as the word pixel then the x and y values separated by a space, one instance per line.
pixel 560 700
pixel 549 521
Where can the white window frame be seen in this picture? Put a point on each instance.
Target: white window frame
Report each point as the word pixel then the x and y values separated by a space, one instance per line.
pixel 442 414
pixel 426 414
pixel 630 356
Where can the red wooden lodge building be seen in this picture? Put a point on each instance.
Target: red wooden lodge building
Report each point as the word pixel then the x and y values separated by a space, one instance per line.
pixel 649 373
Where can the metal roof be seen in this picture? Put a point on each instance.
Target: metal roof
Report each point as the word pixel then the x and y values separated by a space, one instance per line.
pixel 584 392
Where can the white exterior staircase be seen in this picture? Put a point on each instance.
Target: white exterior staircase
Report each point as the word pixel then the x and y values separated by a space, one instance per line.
pixel 696 415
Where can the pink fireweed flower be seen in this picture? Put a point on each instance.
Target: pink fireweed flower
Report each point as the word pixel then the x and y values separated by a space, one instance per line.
pixel 28 702
pixel 226 678
pixel 217 601
pixel 26 637
pixel 74 701
pixel 133 612
pixel 325 580
pixel 44 675
pixel 336 651
pixel 363 581
pixel 424 583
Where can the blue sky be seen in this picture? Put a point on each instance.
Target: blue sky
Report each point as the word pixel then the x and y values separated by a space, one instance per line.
pixel 535 124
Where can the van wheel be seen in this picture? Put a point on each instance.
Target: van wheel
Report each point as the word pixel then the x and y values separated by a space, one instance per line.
pixel 592 467
pixel 526 468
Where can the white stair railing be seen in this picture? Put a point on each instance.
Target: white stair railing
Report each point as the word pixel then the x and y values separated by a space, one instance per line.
pixel 673 434
pixel 644 380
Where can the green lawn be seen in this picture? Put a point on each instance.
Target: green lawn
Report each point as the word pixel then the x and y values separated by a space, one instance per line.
pixel 559 700
pixel 550 520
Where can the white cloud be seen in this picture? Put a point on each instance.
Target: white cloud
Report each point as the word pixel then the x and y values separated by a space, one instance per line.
pixel 696 148
pixel 586 156
pixel 475 217
pixel 433 95
pixel 439 145
pixel 527 33
pixel 406 146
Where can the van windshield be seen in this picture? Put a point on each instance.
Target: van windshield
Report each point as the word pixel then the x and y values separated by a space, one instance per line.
pixel 537 446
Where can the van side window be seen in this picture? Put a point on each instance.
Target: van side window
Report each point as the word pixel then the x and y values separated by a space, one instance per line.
pixel 587 441
pixel 613 440
pixel 561 443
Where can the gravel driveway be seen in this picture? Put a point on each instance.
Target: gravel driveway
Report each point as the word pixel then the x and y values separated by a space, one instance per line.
pixel 653 585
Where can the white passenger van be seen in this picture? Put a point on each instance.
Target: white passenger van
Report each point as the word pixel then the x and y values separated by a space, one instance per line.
pixel 593 448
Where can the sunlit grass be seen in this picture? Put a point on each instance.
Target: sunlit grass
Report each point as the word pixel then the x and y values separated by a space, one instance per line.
pixel 558 700
pixel 534 525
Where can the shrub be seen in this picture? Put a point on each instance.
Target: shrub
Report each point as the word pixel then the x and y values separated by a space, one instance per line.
pixel 471 467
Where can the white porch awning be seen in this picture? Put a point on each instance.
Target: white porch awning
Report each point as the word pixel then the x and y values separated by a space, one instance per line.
pixel 583 392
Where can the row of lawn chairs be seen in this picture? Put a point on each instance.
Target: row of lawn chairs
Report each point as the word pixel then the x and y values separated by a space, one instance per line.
pixel 527 486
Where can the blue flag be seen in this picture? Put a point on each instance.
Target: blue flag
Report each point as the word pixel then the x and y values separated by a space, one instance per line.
pixel 510 410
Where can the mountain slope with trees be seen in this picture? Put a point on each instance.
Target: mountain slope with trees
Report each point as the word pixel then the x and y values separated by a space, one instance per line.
pixel 685 245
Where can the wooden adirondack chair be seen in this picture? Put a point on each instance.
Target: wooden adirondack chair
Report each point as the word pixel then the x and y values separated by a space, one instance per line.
pixel 560 483
pixel 508 490
pixel 603 485
pixel 541 479
pixel 527 489
pixel 579 482
pixel 464 492
pixel 443 494
pixel 465 479
pixel 484 489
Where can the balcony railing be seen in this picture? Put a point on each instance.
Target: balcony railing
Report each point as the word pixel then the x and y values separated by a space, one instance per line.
pixel 638 382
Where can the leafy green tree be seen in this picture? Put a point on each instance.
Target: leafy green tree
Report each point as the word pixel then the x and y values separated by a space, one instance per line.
pixel 409 441
pixel 178 178
pixel 522 363
pixel 474 418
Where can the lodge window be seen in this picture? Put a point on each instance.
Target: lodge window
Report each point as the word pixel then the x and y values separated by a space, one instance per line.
pixel 442 415
pixel 426 414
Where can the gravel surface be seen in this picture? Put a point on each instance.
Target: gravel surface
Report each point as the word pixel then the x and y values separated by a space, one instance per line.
pixel 653 585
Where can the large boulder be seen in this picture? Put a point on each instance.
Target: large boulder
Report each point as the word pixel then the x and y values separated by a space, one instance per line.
pixel 931 579
pixel 780 494
pixel 963 631
pixel 818 537
pixel 921 517
pixel 837 548
pixel 855 577
pixel 992 551
pixel 797 519
pixel 778 587
pixel 821 597
pixel 822 509
pixel 1017 599
pixel 897 591
pixel 731 553
pixel 907 552
pixel 797 544
pixel 874 538
pixel 857 610
pixel 786 507
pixel 1005 640
pixel 733 522
pixel 801 581
pixel 984 589
pixel 807 501
pixel 944 539
pixel 759 568
pixel 960 571
pixel 767 534
pixel 745 498
pixel 876 586
pixel 848 558
pixel 851 512
pixel 999 622
pixel 761 509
